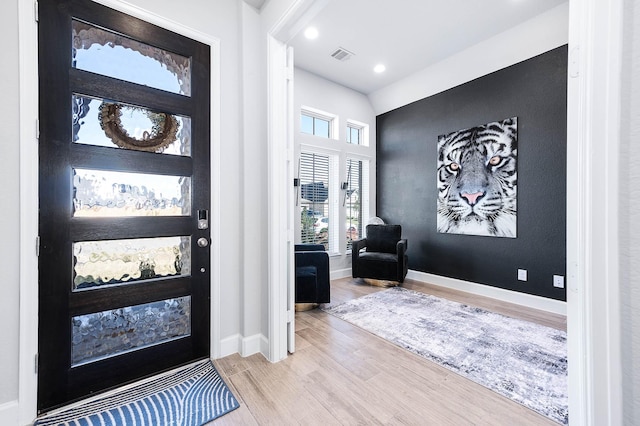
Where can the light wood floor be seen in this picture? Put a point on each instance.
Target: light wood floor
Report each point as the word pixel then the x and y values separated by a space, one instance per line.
pixel 341 374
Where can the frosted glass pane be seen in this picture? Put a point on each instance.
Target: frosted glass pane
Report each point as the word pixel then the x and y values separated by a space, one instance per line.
pixel 108 53
pixel 99 193
pixel 108 333
pixel 100 263
pixel 102 123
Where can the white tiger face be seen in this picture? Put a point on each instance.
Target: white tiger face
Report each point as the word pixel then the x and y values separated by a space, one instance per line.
pixel 477 180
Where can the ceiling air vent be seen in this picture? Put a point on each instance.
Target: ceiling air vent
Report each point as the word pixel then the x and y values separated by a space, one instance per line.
pixel 342 54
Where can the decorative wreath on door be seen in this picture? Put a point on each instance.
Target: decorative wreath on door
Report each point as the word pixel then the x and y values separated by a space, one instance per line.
pixel 163 132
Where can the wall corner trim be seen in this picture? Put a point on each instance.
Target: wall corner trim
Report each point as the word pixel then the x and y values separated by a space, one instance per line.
pixel 252 345
pixel 527 300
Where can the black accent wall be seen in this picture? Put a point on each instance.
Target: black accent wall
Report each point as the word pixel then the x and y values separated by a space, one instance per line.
pixel 535 91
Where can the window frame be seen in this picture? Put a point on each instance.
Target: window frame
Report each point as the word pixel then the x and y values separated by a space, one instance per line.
pixel 350 130
pixel 332 210
pixel 364 187
pixel 317 114
pixel 339 152
pixel 363 132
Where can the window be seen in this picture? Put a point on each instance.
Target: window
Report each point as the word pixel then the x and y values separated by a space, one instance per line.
pixel 316 126
pixel 354 135
pixel 314 198
pixel 332 197
pixel 356 200
pixel 357 133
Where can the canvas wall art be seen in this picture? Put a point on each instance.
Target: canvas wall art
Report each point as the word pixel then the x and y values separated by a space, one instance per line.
pixel 478 180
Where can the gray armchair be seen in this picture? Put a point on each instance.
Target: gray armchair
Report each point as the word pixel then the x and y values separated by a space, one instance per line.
pixel 384 257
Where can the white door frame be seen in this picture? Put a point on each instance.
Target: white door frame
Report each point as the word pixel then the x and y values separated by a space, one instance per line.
pixel 28 329
pixel 291 287
pixel 279 236
pixel 280 176
pixel 593 147
pixel 28 64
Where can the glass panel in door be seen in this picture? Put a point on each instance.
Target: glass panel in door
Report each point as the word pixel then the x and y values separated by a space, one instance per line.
pixel 101 193
pixel 118 262
pixel 104 334
pixel 115 55
pixel 112 124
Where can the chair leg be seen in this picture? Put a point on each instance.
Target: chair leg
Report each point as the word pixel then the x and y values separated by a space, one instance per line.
pixel 303 307
pixel 381 283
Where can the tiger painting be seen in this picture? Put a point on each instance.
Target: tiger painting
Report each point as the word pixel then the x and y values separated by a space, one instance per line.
pixel 477 180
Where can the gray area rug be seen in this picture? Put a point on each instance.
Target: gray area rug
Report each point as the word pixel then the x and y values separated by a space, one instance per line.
pixel 523 361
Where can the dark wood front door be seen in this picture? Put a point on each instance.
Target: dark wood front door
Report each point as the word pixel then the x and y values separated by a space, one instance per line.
pixel 124 279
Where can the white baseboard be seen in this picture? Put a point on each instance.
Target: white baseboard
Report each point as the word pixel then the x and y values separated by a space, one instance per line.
pixel 252 345
pixel 245 346
pixel 9 412
pixel 528 300
pixel 230 345
pixel 340 273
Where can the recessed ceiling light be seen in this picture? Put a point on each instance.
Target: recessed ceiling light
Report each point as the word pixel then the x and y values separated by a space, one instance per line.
pixel 311 33
pixel 379 68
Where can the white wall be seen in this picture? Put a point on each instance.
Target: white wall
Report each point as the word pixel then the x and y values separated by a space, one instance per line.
pixel 9 200
pixel 538 35
pixel 630 215
pixel 253 232
pixel 319 93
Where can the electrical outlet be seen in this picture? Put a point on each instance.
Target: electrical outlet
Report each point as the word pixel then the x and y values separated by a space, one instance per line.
pixel 558 281
pixel 522 274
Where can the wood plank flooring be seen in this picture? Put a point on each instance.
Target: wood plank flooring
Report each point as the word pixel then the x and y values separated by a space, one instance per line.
pixel 341 374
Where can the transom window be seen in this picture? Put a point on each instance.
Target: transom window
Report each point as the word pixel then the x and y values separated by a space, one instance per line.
pixel 353 135
pixel 318 123
pixel 357 133
pixel 315 126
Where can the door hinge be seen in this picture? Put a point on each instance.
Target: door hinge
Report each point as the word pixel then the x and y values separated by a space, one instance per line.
pixel 36 363
pixel 36 10
pixel 290 315
pixel 38 246
pixel 37 129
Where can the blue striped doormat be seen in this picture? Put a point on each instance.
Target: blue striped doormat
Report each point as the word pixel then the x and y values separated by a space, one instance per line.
pixel 191 396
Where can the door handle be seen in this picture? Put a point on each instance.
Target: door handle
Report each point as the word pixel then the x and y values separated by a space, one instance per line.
pixel 203 242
